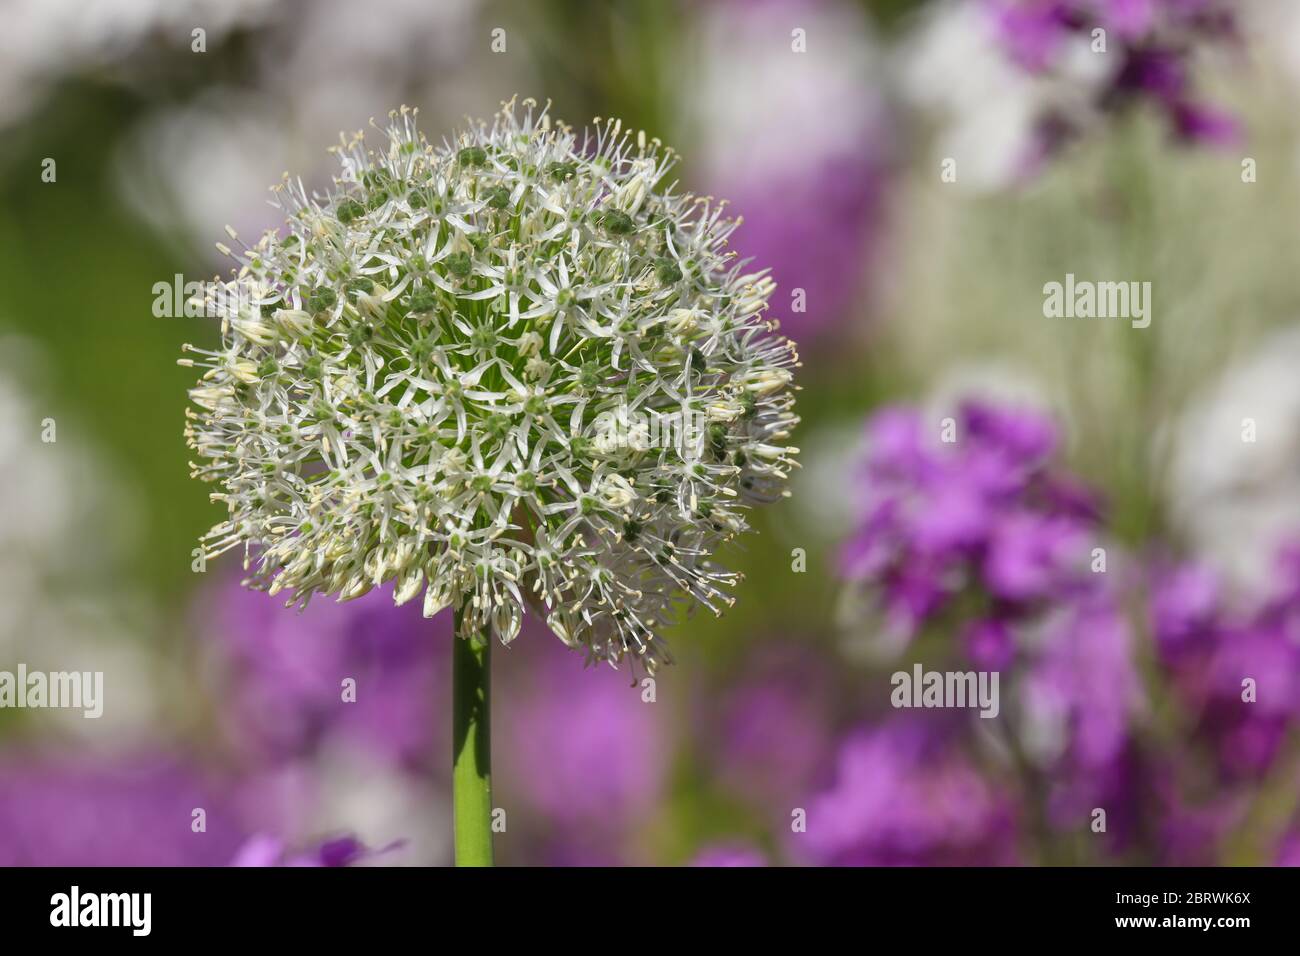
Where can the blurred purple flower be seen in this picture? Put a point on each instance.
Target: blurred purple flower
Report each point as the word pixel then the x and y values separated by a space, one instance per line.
pixel 771 726
pixel 281 674
pixel 1027 551
pixel 1190 834
pixel 1184 611
pixel 1212 653
pixel 1081 688
pixel 1080 696
pixel 1288 853
pixel 579 749
pixel 989 644
pixel 577 745
pixel 729 855
pixel 1032 32
pixel 134 811
pixel 987 535
pixel 905 795
pixel 818 227
pixel 984 514
pixel 800 146
pixel 1153 42
pixel 264 850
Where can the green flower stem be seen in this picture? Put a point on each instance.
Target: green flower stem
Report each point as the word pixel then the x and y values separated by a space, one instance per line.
pixel 471 774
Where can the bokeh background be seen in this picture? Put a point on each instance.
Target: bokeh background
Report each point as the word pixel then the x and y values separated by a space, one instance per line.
pixel 913 173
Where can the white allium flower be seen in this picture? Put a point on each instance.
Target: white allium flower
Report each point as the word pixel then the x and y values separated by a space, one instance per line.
pixel 416 391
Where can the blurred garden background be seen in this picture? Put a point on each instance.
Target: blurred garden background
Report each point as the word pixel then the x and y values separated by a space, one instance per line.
pixel 913 173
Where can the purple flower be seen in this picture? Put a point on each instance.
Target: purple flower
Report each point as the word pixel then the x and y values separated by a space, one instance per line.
pixel 985 536
pixel 1251 731
pixel 729 855
pixel 132 811
pixel 1288 853
pixel 1153 42
pixel 818 227
pixel 771 725
pixel 1160 73
pixel 1080 697
pixel 1032 556
pixel 986 514
pixel 802 146
pixel 1237 673
pixel 989 644
pixel 1132 18
pixel 264 850
pixel 281 673
pixel 1204 124
pixel 1190 835
pixel 578 746
pixel 1017 437
pixel 1189 829
pixel 1184 610
pixel 1080 687
pixel 1032 32
pixel 904 794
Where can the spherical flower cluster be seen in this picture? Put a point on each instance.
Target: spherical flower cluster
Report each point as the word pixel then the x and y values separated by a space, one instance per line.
pixel 511 370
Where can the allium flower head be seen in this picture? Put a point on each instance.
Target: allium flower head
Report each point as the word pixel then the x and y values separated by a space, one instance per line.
pixel 512 368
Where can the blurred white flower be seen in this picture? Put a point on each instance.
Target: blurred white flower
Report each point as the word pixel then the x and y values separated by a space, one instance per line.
pixel 1003 382
pixel 763 109
pixel 182 165
pixel 822 491
pixel 344 790
pixel 1273 26
pixel 43 41
pixel 799 141
pixel 1236 499
pixel 361 794
pixel 987 108
pixel 65 528
pixel 317 68
pixel 1271 29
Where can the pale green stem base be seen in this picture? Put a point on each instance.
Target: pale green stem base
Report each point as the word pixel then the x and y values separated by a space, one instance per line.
pixel 471 751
